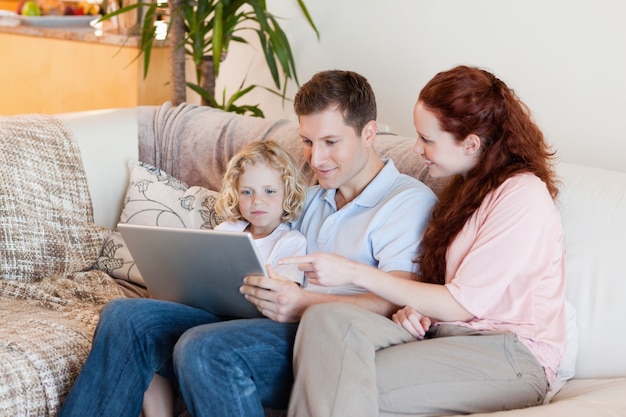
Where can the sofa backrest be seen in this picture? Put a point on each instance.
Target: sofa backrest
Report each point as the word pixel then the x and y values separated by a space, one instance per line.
pixel 592 203
pixel 107 140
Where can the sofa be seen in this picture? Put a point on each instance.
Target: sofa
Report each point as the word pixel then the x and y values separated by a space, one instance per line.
pixel 68 179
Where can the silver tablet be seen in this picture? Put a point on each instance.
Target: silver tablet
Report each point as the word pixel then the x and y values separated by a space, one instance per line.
pixel 197 267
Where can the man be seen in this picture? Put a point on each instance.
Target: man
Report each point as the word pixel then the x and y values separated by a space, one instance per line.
pixel 363 209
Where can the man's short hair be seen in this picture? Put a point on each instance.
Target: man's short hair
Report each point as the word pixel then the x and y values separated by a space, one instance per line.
pixel 347 91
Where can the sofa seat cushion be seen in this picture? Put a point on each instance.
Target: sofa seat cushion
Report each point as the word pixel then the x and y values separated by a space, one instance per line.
pixel 578 398
pixel 46 216
pixel 45 338
pixel 41 354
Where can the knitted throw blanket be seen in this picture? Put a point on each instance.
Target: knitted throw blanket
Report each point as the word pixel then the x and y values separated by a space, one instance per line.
pixel 194 143
pixel 46 335
pixel 46 217
pixel 49 302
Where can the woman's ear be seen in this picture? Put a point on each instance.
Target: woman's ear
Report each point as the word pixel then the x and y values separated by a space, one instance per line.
pixel 472 144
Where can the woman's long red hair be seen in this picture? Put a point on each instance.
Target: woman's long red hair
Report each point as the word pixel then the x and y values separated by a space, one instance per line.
pixel 467 101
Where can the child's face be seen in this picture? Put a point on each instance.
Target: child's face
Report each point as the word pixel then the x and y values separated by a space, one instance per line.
pixel 261 192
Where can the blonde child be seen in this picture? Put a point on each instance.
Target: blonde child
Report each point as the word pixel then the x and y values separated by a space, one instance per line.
pixel 262 192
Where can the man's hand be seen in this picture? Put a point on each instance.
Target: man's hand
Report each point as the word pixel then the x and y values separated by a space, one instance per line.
pixel 276 298
pixel 414 322
pixel 322 268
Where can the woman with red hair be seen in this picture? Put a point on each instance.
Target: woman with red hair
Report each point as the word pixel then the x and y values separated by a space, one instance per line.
pixel 482 326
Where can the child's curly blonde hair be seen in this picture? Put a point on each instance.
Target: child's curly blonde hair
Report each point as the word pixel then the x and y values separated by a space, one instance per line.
pixel 271 153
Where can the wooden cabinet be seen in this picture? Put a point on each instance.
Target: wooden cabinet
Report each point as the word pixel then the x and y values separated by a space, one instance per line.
pixel 56 70
pixel 9 5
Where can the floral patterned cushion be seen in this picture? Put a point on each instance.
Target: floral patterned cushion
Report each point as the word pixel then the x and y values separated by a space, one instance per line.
pixel 155 198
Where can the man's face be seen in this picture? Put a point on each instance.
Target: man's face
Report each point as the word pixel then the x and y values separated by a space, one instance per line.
pixel 332 148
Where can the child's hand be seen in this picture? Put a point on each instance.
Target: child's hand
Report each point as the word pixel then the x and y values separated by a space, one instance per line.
pixel 276 297
pixel 271 272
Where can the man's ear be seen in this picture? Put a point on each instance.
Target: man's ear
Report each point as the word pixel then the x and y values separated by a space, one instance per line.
pixel 472 144
pixel 369 132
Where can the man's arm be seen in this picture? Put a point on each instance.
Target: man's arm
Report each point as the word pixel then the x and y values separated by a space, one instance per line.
pixel 284 301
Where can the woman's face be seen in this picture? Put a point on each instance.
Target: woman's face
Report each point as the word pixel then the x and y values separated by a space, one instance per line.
pixel 443 154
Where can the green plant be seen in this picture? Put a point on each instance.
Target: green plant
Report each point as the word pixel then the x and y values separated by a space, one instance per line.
pixel 204 30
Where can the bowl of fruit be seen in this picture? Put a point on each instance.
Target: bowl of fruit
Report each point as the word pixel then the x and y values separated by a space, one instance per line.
pixel 57 13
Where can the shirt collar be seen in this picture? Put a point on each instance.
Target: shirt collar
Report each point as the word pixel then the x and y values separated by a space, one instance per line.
pixel 375 190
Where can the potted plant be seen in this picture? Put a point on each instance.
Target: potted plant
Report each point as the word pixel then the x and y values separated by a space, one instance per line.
pixel 204 30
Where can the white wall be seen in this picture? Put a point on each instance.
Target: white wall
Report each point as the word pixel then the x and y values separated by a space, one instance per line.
pixel 565 58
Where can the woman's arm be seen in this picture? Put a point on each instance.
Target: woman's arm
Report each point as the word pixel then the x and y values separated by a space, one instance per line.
pixel 430 300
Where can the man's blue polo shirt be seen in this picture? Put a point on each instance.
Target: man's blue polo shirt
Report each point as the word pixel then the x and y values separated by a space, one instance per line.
pixel 381 227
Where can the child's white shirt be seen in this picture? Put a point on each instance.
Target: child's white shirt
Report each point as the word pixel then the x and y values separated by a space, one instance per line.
pixel 284 241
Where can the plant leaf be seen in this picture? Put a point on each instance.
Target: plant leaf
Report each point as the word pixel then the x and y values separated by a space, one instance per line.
pixel 210 26
pixel 218 33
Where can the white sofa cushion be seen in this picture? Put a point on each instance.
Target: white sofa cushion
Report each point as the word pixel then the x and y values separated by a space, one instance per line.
pixel 593 208
pixel 107 140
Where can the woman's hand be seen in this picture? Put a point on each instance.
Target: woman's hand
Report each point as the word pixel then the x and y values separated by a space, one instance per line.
pixel 322 268
pixel 413 321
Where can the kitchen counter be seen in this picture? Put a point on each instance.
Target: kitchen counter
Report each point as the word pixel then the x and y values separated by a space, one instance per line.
pixel 83 33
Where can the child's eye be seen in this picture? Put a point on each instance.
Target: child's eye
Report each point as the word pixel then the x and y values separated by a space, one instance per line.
pixel 270 191
pixel 246 192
